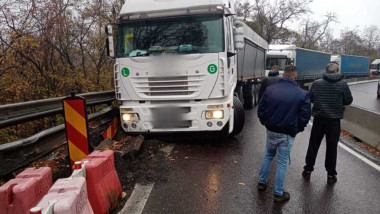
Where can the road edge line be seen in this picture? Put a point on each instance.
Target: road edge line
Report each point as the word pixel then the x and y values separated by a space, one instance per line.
pixel 138 199
pixel 362 82
pixel 364 159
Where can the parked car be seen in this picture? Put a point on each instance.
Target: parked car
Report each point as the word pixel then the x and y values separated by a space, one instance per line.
pixel 378 90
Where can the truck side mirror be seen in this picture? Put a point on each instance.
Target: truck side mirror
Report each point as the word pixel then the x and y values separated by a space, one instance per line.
pixel 108 30
pixel 239 38
pixel 109 42
pixel 110 47
pixel 239 33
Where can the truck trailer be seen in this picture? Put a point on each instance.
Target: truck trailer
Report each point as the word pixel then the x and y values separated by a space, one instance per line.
pixel 310 64
pixel 182 66
pixel 352 66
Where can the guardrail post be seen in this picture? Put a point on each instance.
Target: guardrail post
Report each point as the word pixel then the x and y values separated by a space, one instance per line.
pixel 76 128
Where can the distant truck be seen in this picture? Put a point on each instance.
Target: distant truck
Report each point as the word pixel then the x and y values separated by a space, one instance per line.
pixel 310 64
pixel 375 67
pixel 184 66
pixel 352 66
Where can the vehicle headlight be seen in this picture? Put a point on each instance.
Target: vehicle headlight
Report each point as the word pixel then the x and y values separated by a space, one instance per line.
pixel 128 117
pixel 216 114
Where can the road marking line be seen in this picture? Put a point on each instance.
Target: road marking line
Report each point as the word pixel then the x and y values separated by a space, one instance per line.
pixel 365 160
pixel 362 82
pixel 167 150
pixel 141 193
pixel 361 157
pixel 138 199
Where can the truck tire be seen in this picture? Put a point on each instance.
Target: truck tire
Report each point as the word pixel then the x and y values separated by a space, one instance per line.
pixel 239 117
pixel 239 93
pixel 248 96
pixel 256 89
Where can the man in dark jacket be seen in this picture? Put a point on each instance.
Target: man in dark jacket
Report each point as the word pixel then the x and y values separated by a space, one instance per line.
pixel 329 95
pixel 285 110
pixel 273 78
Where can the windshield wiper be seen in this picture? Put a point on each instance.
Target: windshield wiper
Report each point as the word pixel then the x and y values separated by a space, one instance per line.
pixel 138 53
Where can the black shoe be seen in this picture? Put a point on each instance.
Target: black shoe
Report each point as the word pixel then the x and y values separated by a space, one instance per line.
pixel 331 179
pixel 306 174
pixel 282 198
pixel 262 186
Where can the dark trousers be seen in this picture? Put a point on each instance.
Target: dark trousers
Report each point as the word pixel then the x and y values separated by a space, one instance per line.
pixel 322 127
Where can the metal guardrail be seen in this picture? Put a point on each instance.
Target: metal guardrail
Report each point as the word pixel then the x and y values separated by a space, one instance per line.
pixel 363 124
pixel 19 154
pixel 17 113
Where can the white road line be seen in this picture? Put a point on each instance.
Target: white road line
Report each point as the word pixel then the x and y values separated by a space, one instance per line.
pixel 362 82
pixel 138 199
pixel 361 157
pixel 167 150
pixel 141 193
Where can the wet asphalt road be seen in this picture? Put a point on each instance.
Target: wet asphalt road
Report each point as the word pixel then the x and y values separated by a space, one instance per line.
pixel 222 178
pixel 365 96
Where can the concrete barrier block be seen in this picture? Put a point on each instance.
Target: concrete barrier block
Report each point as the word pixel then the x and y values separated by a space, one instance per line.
pixel 363 124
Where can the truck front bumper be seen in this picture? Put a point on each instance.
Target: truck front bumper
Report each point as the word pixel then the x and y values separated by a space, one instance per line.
pixel 193 118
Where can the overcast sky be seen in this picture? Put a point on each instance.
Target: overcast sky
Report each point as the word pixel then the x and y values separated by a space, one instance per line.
pixel 350 13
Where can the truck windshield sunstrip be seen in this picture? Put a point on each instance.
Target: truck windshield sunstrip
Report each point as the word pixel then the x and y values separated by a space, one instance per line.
pixel 184 35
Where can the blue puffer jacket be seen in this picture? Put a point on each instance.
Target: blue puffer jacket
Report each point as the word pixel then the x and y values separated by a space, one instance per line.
pixel 285 108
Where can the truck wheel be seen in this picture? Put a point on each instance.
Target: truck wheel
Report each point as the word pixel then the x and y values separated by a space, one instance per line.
pixel 239 93
pixel 256 94
pixel 248 96
pixel 239 117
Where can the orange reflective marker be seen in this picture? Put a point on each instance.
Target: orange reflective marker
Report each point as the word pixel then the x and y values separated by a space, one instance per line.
pixel 76 128
pixel 112 129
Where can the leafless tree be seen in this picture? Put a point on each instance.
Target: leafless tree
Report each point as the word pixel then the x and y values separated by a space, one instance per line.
pixel 243 9
pixel 351 43
pixel 313 31
pixel 272 16
pixel 371 39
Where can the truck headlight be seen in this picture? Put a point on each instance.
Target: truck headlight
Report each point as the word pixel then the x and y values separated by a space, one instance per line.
pixel 216 114
pixel 128 117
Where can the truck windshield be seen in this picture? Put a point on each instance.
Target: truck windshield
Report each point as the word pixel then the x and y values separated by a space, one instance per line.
pixel 280 62
pixel 185 35
pixel 374 66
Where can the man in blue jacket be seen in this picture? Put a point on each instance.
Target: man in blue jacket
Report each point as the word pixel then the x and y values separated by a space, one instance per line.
pixel 285 110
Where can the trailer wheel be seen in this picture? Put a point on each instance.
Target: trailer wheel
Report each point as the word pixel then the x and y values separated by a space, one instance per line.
pixel 239 117
pixel 248 96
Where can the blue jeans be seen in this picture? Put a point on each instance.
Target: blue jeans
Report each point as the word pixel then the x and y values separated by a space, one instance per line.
pixel 283 143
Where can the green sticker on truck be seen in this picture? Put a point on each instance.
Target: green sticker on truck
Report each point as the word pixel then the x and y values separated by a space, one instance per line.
pixel 212 69
pixel 125 72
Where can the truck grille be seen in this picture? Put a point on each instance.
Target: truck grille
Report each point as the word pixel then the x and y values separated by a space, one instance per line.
pixel 168 86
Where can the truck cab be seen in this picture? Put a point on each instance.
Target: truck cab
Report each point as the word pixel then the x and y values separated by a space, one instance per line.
pixel 375 67
pixel 176 65
pixel 280 55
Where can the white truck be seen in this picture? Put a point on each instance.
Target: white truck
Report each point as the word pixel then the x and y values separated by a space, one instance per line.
pixel 375 67
pixel 182 65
